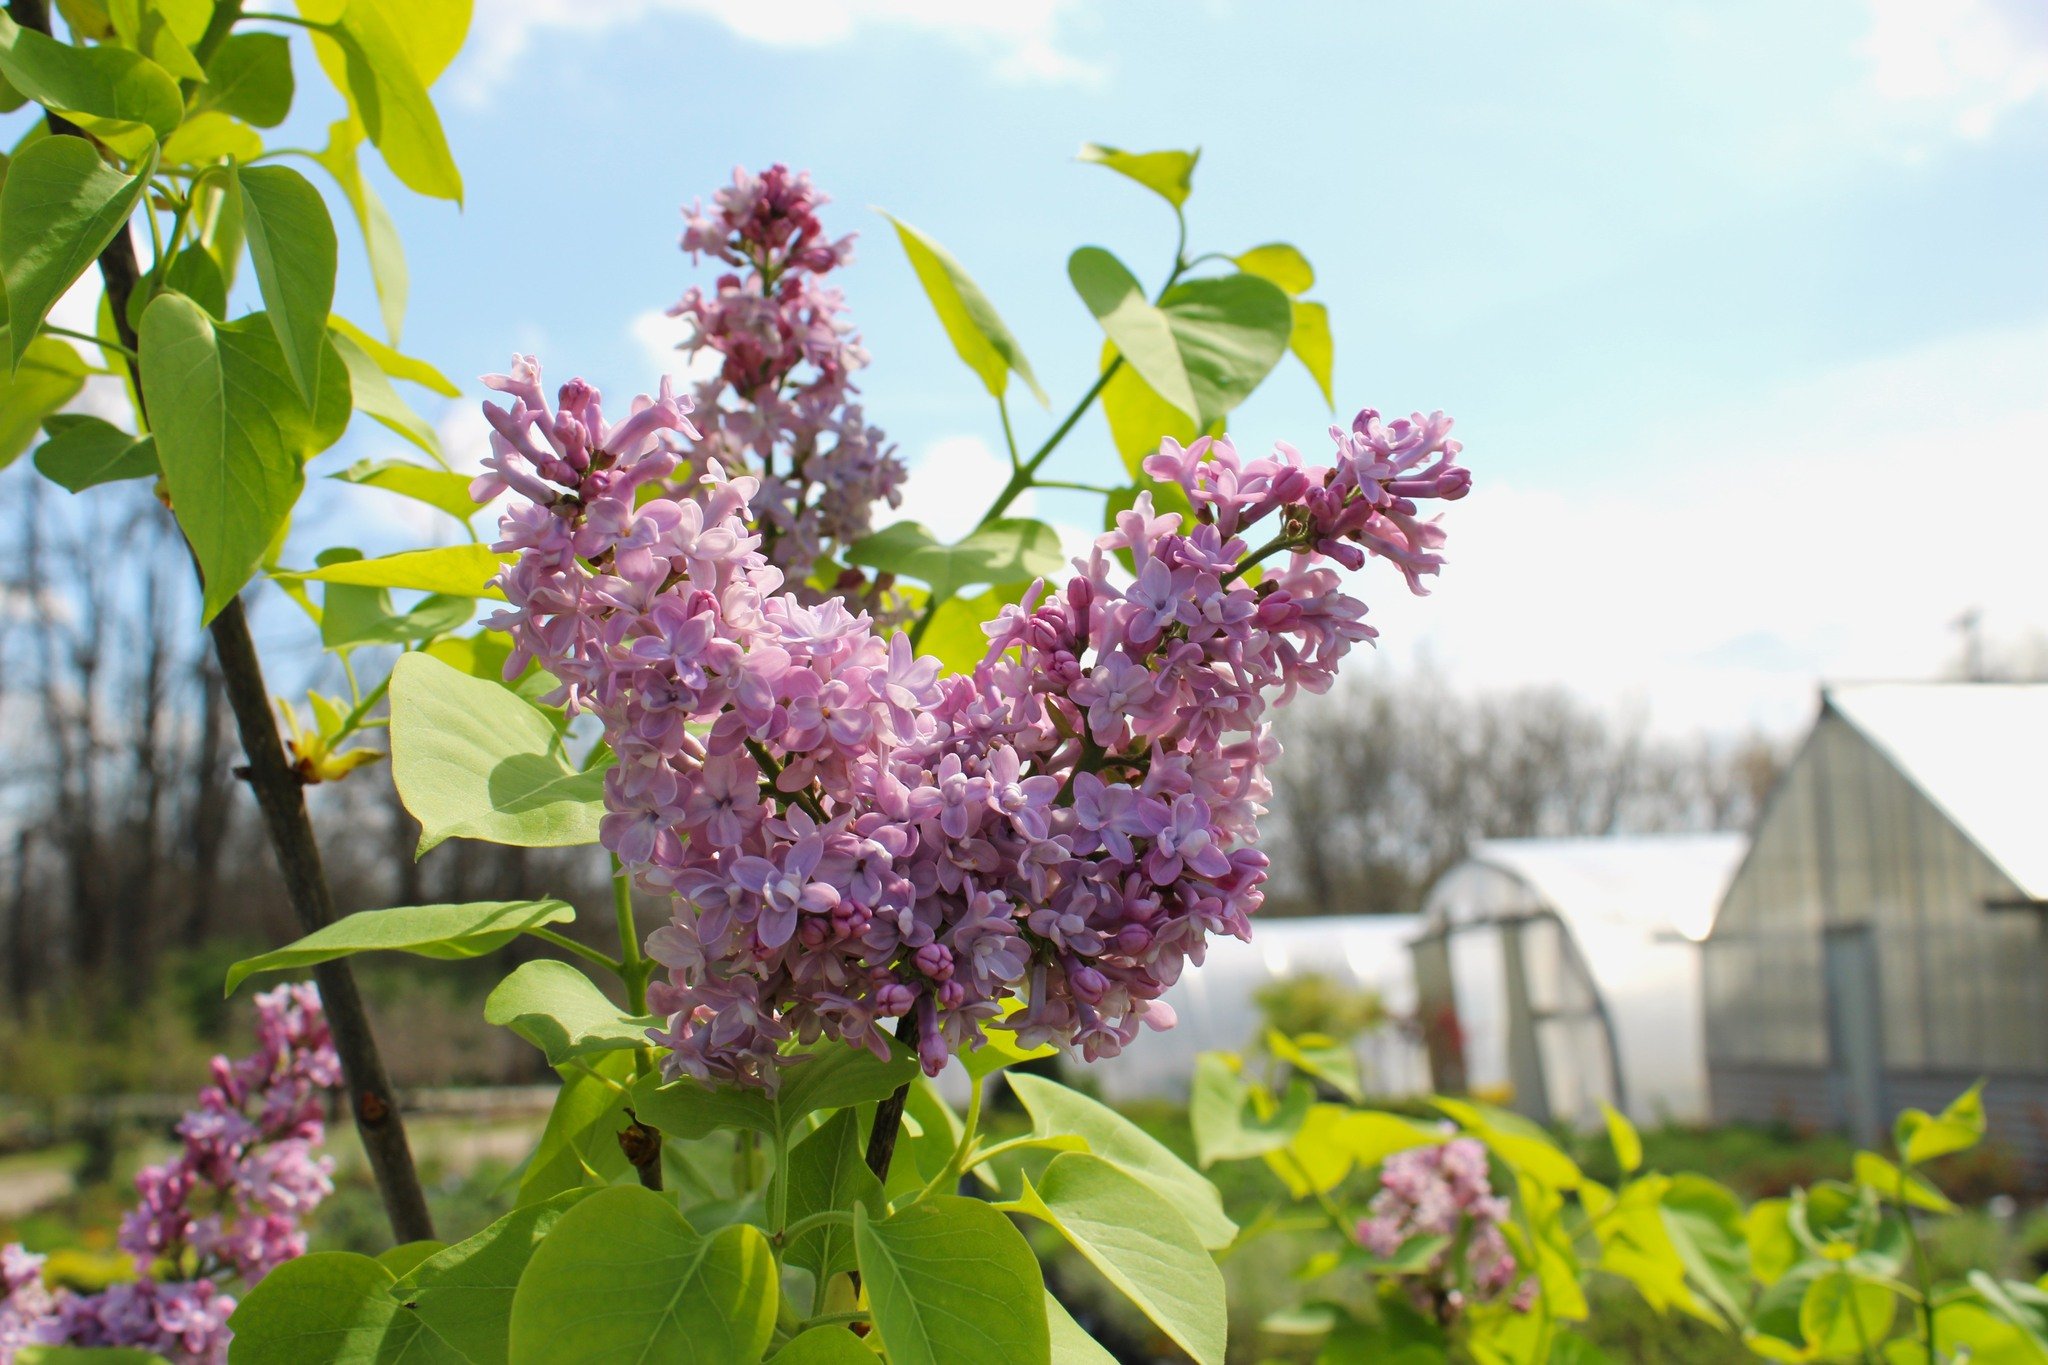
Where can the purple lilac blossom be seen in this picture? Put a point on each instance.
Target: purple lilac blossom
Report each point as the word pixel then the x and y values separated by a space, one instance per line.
pixel 228 1205
pixel 780 405
pixel 849 837
pixel 26 1305
pixel 1444 1191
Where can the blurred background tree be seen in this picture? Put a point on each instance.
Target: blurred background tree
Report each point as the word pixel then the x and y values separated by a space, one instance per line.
pixel 1387 781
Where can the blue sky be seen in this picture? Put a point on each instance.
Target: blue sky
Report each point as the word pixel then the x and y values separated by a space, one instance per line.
pixel 1742 307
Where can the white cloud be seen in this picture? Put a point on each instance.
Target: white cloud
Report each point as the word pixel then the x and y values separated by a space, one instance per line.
pixel 1965 64
pixel 1723 567
pixel 659 336
pixel 1020 38
pixel 952 482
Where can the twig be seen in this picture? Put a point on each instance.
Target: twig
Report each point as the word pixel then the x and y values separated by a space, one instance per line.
pixel 282 799
pixel 888 1119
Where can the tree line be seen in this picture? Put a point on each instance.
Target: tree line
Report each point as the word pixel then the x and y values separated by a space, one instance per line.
pixel 1387 782
pixel 127 841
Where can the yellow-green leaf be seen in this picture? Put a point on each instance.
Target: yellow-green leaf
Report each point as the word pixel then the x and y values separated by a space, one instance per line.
pixel 1006 550
pixel 1140 1243
pixel 380 235
pixel 375 396
pixel 1898 1186
pixel 951 1280
pixel 395 364
pixel 1138 417
pixel 106 82
pixel 1168 174
pixel 291 242
pixel 1280 263
pixel 1312 344
pixel 1057 1110
pixel 250 77
pixel 1921 1137
pixel 439 488
pixel 211 136
pixel 1842 1314
pixel 622 1277
pixel 84 452
pixel 232 434
pixel 1622 1136
pixel 444 932
pixel 458 570
pixel 472 760
pixel 971 322
pixel 558 1009
pixel 374 44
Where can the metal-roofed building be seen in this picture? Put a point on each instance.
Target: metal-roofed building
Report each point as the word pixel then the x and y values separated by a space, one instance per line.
pixel 1883 945
pixel 1555 974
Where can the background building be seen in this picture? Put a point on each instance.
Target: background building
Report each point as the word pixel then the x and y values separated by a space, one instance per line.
pixel 1882 945
pixel 1218 1008
pixel 1554 974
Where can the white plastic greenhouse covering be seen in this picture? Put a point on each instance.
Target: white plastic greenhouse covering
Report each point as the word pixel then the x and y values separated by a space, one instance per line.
pixel 1217 1013
pixel 1975 750
pixel 1608 938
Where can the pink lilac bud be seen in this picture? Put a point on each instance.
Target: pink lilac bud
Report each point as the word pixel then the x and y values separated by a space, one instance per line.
pixel 1445 1191
pixel 780 406
pixel 849 835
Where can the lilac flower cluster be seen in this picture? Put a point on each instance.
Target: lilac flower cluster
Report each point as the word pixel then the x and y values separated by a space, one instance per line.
pixel 250 1167
pixel 26 1305
pixel 851 838
pixel 228 1204
pixel 1444 1191
pixel 780 405
pixel 183 1321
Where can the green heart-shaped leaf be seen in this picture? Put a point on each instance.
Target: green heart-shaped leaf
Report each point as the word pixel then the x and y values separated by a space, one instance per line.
pixel 444 932
pixel 561 1011
pixel 59 207
pixel 291 242
pixel 623 1277
pixel 952 1280
pixel 1007 550
pixel 472 760
pixel 1141 1244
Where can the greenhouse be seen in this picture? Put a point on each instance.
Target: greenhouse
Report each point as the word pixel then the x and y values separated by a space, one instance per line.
pixel 1883 942
pixel 1557 974
pixel 1217 1008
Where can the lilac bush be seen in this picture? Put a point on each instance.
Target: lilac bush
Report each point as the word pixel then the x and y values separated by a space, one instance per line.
pixel 1444 1192
pixel 226 1208
pixel 850 836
